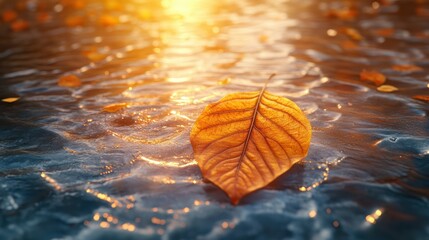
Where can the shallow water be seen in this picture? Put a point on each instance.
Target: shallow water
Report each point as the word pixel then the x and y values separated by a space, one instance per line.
pixel 69 170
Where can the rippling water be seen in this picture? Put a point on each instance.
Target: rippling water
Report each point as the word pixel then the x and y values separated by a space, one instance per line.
pixel 69 169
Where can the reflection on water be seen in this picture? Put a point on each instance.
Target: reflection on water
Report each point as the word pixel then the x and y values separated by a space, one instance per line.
pixel 111 158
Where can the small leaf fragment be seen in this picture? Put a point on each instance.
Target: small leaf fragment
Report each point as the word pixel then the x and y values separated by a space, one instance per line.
pixel 422 97
pixel 373 77
pixel 69 81
pixel 111 108
pixel 387 88
pixel 10 99
pixel 407 68
pixel 246 140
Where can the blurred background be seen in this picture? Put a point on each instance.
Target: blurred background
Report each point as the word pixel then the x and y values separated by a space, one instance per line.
pixel 98 99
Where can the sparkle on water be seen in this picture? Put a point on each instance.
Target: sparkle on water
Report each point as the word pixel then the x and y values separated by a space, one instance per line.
pixel 106 154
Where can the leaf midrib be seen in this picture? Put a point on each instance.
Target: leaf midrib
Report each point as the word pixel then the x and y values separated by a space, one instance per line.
pixel 249 134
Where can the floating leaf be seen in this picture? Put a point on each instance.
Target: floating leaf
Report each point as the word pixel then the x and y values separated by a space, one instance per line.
pixel 10 100
pixel 111 108
pixel 387 88
pixel 422 97
pixel 407 68
pixel 373 76
pixel 19 25
pixel 246 140
pixel 69 81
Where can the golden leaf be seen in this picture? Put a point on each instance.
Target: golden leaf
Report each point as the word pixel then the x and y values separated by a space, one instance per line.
pixel 111 108
pixel 69 81
pixel 246 140
pixel 10 99
pixel 387 88
pixel 373 76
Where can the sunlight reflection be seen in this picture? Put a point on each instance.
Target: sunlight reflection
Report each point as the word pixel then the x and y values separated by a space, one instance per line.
pixel 166 164
pixel 184 8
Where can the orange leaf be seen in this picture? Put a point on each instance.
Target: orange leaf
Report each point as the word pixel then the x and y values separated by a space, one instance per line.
pixel 407 68
pixel 246 140
pixel 10 100
pixel 387 88
pixel 373 76
pixel 422 97
pixel 69 81
pixel 111 108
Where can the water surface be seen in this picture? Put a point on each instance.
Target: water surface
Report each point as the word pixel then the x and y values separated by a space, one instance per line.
pixel 71 170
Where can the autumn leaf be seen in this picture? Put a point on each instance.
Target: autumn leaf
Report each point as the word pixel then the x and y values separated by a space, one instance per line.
pixel 387 88
pixel 10 99
pixel 69 81
pixel 246 140
pixel 407 68
pixel 424 98
pixel 111 108
pixel 373 76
